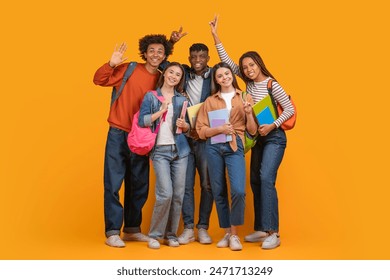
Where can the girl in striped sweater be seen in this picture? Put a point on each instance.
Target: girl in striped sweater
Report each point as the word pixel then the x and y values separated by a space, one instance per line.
pixel 267 154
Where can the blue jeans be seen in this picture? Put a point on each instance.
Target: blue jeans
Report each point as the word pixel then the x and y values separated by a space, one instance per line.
pixel 170 173
pixel 120 164
pixel 197 161
pixel 266 157
pixel 221 157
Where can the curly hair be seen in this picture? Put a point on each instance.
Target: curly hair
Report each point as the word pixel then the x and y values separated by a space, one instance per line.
pixel 145 41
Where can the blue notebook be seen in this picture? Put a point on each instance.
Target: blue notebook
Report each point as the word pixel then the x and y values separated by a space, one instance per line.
pixel 265 116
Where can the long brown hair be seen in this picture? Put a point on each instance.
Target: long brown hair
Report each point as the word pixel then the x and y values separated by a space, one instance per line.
pixel 215 87
pixel 258 60
pixel 180 86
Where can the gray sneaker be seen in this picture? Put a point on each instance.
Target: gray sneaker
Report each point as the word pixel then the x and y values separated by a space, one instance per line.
pixel 204 237
pixel 135 236
pixel 271 241
pixel 234 243
pixel 224 242
pixel 187 236
pixel 257 236
pixel 115 241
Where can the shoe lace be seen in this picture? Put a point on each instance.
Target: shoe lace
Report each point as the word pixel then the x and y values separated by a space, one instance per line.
pixel 235 238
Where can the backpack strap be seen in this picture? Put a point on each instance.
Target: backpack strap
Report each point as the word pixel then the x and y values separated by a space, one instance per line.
pixel 269 88
pixel 161 99
pixel 130 69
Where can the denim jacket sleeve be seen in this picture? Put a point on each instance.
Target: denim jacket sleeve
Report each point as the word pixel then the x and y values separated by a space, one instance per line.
pixel 149 106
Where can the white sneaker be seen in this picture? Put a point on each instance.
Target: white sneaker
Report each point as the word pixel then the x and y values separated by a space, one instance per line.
pixel 172 242
pixel 234 243
pixel 136 236
pixel 153 244
pixel 257 236
pixel 115 241
pixel 271 241
pixel 224 242
pixel 187 236
pixel 204 237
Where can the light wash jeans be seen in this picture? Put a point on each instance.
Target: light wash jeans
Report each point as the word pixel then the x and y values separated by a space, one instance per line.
pixel 221 157
pixel 266 157
pixel 197 160
pixel 170 173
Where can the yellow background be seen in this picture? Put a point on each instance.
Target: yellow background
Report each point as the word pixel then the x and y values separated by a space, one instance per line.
pixel 331 56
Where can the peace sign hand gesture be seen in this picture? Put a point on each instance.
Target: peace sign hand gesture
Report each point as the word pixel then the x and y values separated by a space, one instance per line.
pixel 214 25
pixel 177 35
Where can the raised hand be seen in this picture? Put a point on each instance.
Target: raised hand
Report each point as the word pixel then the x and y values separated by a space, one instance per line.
pixel 177 35
pixel 247 107
pixel 117 56
pixel 214 26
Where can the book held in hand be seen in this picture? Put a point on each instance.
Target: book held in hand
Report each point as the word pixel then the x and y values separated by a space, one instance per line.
pixel 182 115
pixel 218 118
pixel 192 113
pixel 266 115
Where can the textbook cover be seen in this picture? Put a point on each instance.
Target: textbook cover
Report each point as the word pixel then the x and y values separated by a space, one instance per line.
pixel 179 130
pixel 265 116
pixel 192 113
pixel 217 118
pixel 266 102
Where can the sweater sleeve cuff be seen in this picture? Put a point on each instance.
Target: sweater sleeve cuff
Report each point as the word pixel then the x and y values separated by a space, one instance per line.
pixel 148 120
pixel 108 68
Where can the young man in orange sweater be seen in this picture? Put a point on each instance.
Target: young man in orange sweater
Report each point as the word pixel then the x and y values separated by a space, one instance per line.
pixel 120 163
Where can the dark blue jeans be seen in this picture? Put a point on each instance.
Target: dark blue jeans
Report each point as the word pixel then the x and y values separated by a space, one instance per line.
pixel 266 157
pixel 120 164
pixel 197 160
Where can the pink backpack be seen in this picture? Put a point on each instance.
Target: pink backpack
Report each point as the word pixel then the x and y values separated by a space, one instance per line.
pixel 141 139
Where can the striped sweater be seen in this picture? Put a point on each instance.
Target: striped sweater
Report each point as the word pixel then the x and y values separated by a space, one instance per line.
pixel 258 90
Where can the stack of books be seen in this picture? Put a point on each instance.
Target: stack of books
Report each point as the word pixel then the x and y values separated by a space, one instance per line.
pixel 265 111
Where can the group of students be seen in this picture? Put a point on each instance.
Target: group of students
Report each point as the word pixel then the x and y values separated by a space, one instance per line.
pixel 177 156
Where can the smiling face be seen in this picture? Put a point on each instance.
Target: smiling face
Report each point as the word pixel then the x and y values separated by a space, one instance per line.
pixel 224 77
pixel 250 68
pixel 173 75
pixel 199 60
pixel 155 54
